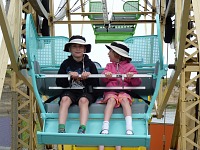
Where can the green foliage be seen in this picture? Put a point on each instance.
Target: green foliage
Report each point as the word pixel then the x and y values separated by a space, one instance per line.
pixel 171 106
pixel 166 81
pixel 8 73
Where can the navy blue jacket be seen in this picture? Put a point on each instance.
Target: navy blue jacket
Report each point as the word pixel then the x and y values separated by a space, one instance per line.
pixel 72 65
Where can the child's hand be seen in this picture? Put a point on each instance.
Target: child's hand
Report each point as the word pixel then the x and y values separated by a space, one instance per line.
pixel 108 74
pixel 129 74
pixel 85 75
pixel 74 75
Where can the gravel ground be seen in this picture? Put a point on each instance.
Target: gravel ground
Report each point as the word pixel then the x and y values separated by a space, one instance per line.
pixel 6 97
pixel 5 120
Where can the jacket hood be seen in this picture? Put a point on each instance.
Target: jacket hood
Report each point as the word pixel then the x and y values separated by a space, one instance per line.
pixel 120 63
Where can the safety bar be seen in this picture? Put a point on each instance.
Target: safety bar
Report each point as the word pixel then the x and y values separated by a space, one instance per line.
pixel 92 76
pixel 100 88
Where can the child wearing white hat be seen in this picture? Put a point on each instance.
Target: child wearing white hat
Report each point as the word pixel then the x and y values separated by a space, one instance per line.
pixel 120 64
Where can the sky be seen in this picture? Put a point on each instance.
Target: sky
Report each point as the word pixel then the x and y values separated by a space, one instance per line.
pixel 99 52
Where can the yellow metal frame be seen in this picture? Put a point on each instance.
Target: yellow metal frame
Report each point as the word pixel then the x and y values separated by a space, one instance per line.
pixel 186 125
pixel 73 147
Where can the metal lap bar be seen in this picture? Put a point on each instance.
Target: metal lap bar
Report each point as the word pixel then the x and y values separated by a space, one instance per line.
pixel 101 88
pixel 92 76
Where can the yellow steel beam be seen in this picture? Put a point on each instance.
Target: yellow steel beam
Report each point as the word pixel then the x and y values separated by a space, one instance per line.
pixel 10 45
pixel 39 8
pixel 180 50
pixel 4 57
pixel 68 14
pixel 102 22
pixel 73 147
pixel 52 27
pixel 196 8
pixel 114 13
pixel 170 10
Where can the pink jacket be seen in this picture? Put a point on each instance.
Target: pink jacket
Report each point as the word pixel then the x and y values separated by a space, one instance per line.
pixel 123 68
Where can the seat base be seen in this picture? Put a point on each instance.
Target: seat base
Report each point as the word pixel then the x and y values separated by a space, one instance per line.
pixel 93 139
pixel 116 135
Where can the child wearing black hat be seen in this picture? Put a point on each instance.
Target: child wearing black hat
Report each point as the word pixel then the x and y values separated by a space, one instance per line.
pixel 76 64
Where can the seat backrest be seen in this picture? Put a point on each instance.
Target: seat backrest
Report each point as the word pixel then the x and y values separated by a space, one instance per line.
pixel 95 7
pixel 115 32
pixel 144 48
pixel 131 6
pixel 128 6
pixel 98 65
pixel 49 52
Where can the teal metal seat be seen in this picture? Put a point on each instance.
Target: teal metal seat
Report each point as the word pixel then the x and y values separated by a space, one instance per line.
pixel 45 54
pixel 115 32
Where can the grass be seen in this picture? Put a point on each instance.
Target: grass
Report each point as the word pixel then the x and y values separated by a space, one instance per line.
pixel 171 106
pixel 8 73
pixel 25 135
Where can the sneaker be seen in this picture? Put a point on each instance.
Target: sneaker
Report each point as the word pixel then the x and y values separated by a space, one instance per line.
pixel 129 132
pixel 104 131
pixel 81 130
pixel 61 130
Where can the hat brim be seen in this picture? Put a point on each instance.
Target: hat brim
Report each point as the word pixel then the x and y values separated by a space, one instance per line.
pixel 118 51
pixel 88 46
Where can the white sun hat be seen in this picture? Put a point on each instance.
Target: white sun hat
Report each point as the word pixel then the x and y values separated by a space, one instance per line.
pixel 77 39
pixel 120 48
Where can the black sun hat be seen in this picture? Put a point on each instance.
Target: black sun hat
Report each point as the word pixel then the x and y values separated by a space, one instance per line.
pixel 77 39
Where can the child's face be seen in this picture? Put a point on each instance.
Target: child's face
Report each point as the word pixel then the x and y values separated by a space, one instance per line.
pixel 77 50
pixel 113 56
